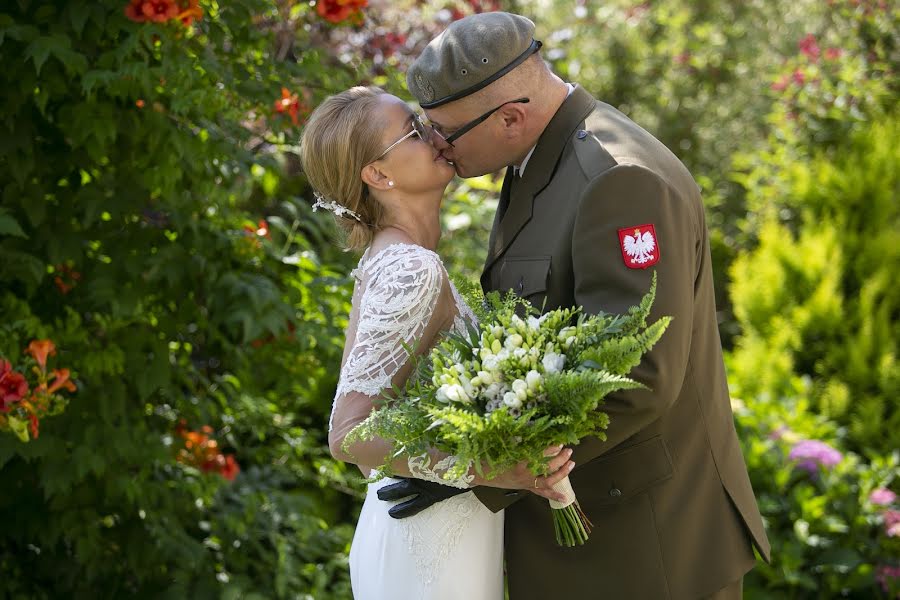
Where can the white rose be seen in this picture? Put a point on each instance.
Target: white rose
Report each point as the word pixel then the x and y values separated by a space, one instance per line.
pixel 533 379
pixel 553 362
pixel 511 400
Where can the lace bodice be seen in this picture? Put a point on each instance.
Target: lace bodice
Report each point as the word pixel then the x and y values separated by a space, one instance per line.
pixel 396 294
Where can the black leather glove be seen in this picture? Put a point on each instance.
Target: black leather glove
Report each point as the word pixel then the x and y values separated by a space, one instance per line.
pixel 424 494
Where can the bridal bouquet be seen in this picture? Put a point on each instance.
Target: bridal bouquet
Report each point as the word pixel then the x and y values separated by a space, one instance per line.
pixel 512 387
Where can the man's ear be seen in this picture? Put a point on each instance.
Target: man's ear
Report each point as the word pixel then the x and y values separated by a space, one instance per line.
pixel 375 178
pixel 513 116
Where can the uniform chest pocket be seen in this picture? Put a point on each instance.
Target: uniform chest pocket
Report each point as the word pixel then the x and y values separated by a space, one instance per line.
pixel 526 276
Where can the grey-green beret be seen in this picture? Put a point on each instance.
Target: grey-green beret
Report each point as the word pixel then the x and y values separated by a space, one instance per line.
pixel 469 55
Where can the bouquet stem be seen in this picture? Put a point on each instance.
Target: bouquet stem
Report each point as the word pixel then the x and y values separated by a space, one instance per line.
pixel 571 524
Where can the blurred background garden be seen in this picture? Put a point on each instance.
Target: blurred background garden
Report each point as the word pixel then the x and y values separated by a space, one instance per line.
pixel 172 311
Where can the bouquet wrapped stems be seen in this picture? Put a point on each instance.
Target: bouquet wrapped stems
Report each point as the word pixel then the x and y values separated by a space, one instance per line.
pixel 571 524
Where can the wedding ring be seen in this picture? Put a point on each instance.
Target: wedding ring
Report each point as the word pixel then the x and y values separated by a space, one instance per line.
pixel 535 482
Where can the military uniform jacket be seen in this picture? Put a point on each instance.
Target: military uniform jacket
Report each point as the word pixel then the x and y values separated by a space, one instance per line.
pixel 668 493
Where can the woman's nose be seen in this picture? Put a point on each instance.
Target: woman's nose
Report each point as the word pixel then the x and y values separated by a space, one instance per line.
pixel 438 141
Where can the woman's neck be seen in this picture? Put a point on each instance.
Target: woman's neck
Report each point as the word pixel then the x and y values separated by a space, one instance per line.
pixel 422 227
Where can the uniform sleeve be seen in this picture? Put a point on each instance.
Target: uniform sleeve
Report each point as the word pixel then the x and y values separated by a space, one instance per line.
pixel 395 309
pixel 627 197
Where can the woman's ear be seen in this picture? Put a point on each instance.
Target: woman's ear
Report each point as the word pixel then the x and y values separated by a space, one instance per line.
pixel 376 178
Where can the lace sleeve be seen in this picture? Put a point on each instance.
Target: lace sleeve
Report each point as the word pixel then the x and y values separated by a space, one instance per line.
pixel 402 290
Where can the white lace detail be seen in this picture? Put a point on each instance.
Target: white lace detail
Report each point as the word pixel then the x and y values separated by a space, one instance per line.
pixel 401 285
pixel 433 534
pixel 420 468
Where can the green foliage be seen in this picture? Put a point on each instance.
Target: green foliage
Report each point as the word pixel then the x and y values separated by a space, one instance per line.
pixel 816 297
pixel 828 538
pixel 137 163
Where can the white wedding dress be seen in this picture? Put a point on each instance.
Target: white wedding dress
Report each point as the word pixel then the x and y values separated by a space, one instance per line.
pixel 453 549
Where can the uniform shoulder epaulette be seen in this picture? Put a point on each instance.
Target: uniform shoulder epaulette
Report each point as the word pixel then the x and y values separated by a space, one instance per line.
pixel 592 156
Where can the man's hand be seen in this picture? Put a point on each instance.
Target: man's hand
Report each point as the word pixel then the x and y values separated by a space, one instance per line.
pixel 424 494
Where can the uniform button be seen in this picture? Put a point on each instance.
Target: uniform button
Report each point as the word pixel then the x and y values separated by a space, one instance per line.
pixel 615 492
pixel 581 134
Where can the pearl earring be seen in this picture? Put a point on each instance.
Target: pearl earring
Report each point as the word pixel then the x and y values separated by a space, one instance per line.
pixel 391 183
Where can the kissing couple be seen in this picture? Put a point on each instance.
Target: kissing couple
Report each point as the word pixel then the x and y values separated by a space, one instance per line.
pixel 589 203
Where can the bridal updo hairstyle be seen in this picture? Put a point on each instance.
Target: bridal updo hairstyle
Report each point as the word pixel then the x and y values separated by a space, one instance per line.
pixel 340 138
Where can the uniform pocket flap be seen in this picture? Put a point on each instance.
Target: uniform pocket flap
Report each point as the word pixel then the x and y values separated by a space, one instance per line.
pixel 618 476
pixel 525 276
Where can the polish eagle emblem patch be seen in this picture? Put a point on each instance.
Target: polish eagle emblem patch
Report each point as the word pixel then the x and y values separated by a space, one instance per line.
pixel 640 247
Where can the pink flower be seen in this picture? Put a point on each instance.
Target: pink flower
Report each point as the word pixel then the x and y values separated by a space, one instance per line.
pixel 884 574
pixel 781 84
pixel 882 497
pixel 809 47
pixel 833 53
pixel 798 77
pixel 810 454
pixel 892 523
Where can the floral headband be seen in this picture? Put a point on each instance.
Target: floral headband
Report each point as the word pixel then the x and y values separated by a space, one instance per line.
pixel 332 206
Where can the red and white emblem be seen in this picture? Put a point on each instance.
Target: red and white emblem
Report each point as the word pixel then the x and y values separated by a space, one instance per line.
pixel 640 249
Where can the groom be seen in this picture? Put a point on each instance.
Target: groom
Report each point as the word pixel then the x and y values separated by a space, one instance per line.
pixel 591 206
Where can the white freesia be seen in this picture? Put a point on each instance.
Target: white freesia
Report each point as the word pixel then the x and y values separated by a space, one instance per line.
pixel 497 331
pixel 566 333
pixel 517 322
pixel 553 362
pixel 467 386
pixel 533 379
pixel 511 400
pixel 520 389
pixel 486 377
pixel 520 353
pixel 491 363
pixel 513 341
pixel 456 393
pixel 503 355
pixel 441 394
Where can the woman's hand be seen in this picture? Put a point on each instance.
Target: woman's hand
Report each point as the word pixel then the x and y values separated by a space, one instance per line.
pixel 521 478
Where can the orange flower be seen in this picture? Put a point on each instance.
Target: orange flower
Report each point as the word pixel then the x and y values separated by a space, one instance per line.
pixel 33 423
pixel 230 469
pixel 40 349
pixel 13 387
pixel 191 12
pixel 335 11
pixel 289 103
pixel 61 381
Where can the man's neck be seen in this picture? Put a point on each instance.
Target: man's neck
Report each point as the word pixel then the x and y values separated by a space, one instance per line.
pixel 560 92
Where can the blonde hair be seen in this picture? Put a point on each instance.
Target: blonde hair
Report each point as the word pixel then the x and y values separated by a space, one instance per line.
pixel 341 138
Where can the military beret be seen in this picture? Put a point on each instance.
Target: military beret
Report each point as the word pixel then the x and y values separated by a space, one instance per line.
pixel 469 55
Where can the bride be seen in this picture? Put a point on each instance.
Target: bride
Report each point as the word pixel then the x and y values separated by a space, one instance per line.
pixel 370 160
